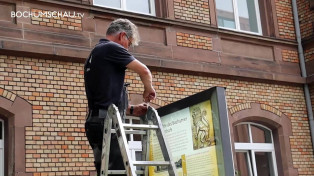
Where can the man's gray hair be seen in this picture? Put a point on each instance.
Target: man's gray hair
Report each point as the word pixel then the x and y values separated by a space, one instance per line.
pixel 124 25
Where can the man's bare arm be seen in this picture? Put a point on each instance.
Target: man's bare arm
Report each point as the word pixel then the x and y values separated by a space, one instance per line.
pixel 146 77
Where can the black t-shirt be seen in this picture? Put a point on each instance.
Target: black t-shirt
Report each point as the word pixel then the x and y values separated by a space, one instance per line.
pixel 104 73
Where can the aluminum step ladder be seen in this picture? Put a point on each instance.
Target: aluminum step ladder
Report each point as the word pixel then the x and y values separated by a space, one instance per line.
pixel 151 122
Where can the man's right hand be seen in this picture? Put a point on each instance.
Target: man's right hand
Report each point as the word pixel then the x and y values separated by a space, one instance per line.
pixel 149 94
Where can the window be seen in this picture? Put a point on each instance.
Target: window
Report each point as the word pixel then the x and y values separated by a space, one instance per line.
pixel 138 6
pixel 240 15
pixel 255 152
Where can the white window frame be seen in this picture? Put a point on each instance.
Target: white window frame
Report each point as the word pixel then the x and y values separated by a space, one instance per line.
pixel 248 160
pixel 2 150
pixel 123 7
pixel 257 147
pixel 237 21
pixel 134 146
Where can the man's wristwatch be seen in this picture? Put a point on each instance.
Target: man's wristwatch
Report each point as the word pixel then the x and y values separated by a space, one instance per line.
pixel 131 110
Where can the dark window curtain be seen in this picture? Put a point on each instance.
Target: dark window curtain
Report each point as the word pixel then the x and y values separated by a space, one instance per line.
pixel 311 4
pixel 267 20
pixel 161 8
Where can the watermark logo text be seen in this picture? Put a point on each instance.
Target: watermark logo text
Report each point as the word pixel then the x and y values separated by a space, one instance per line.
pixel 47 14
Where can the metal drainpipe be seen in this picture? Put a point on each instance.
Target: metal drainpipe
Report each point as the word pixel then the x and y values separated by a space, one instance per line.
pixel 303 70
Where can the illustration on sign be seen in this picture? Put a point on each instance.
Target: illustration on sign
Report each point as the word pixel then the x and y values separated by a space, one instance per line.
pixel 190 135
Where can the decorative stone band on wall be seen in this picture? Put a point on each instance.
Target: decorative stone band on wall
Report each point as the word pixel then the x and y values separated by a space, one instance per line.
pixel 271 109
pixel 285 19
pixel 240 108
pixel 8 95
pixel 194 41
pixel 309 54
pixel 192 10
pixel 290 56
pixel 244 106
pixel 72 22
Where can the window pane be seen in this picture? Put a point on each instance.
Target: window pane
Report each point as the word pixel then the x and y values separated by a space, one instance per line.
pixel 241 133
pixel 225 13
pixel 243 164
pixel 142 6
pixel 108 3
pixel 247 15
pixel 260 135
pixel 264 163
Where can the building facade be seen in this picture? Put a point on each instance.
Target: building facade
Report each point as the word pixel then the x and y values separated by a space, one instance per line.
pixel 249 47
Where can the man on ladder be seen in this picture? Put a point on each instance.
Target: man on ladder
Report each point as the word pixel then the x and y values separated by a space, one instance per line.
pixel 104 73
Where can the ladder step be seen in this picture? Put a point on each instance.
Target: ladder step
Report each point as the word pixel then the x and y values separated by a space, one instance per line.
pixel 130 131
pixel 116 172
pixel 141 126
pixel 151 163
pixel 135 132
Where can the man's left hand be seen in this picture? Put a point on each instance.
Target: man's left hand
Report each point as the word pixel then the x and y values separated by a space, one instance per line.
pixel 140 109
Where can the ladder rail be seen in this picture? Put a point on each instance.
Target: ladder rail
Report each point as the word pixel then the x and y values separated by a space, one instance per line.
pixel 146 147
pixel 165 149
pixel 106 147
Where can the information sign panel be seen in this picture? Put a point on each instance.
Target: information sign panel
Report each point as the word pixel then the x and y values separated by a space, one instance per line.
pixel 197 132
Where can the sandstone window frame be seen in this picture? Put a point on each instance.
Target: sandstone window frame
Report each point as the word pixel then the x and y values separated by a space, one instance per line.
pixel 2 147
pixel 281 126
pixel 17 115
pixel 123 6
pixel 251 148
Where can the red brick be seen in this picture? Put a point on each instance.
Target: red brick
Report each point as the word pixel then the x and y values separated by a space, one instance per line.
pixel 37 107
pixel 85 155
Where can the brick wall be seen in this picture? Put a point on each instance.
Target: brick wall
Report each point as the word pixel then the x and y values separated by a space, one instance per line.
pixel 306 18
pixel 288 99
pixel 285 19
pixel 73 22
pixel 192 10
pixel 194 41
pixel 56 143
pixel 309 54
pixel 290 56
